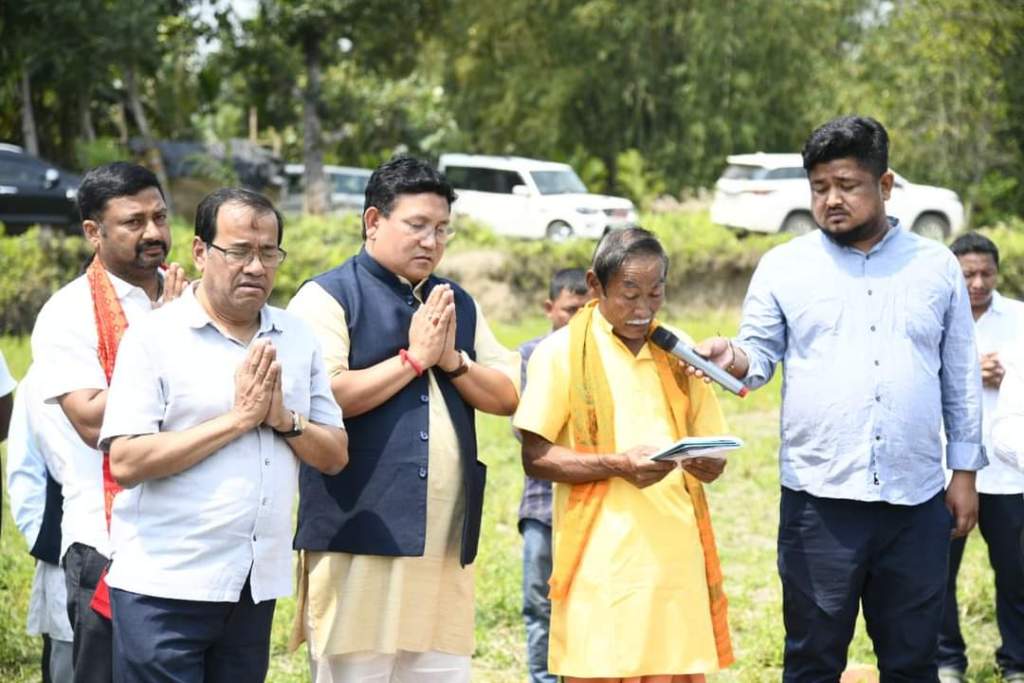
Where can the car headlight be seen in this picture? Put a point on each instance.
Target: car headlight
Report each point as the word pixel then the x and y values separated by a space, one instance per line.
pixel 586 210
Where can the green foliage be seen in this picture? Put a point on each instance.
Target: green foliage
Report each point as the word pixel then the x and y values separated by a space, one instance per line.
pixel 1009 237
pixel 709 264
pixel 33 265
pixel 102 150
pixel 636 180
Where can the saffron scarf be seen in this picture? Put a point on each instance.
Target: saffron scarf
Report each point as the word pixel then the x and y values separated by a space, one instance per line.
pixel 592 421
pixel 111 324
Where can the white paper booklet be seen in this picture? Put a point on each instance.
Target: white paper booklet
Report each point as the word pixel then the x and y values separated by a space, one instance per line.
pixel 699 447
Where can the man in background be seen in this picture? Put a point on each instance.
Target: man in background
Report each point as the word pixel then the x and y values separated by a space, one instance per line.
pixel 74 347
pixel 36 453
pixel 567 293
pixel 999 329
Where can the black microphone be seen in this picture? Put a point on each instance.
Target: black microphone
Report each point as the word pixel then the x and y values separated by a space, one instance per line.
pixel 670 342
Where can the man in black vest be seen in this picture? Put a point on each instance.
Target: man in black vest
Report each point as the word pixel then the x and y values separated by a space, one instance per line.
pixel 386 591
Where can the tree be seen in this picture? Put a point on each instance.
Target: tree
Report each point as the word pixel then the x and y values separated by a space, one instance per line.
pixel 938 76
pixel 383 35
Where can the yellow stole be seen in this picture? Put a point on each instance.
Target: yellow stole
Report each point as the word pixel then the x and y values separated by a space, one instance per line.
pixel 592 421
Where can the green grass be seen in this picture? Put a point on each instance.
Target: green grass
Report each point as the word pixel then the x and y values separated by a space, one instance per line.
pixel 745 509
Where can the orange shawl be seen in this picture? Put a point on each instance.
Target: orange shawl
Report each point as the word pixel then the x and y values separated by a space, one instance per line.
pixel 111 324
pixel 593 430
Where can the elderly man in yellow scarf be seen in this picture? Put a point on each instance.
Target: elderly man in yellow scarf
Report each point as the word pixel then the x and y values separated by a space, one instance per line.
pixel 636 586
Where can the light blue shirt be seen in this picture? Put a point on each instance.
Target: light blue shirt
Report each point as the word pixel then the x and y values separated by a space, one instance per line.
pixel 878 351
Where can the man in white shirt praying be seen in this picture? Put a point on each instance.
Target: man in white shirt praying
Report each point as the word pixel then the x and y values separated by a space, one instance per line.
pixel 999 328
pixel 214 401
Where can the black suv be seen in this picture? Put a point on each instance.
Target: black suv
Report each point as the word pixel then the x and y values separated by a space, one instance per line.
pixel 34 191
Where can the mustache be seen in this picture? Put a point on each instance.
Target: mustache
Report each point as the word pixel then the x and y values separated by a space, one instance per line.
pixel 146 244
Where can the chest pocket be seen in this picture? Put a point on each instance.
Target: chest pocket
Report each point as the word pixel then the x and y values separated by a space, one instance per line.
pixel 815 323
pixel 295 387
pixel 923 312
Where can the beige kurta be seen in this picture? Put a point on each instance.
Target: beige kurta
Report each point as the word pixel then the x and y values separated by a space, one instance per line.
pixel 384 604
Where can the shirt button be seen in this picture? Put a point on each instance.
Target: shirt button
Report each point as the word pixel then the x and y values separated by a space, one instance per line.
pixel 868 257
pixel 410 301
pixel 878 398
pixel 265 501
pixel 424 436
pixel 876 363
pixel 869 292
pixel 267 462
pixel 878 438
pixel 423 472
pixel 254 537
pixel 424 398
pixel 872 328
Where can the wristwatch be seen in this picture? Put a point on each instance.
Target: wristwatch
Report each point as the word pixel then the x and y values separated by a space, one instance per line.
pixel 298 426
pixel 463 367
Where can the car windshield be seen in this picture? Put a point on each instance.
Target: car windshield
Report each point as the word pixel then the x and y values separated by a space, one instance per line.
pixel 748 172
pixel 350 183
pixel 558 182
pixel 744 172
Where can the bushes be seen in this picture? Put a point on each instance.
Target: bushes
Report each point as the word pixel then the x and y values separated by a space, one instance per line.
pixel 1009 237
pixel 33 265
pixel 710 265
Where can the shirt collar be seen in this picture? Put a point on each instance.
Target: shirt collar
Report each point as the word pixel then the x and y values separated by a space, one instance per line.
pixel 895 231
pixel 124 289
pixel 396 282
pixel 197 317
pixel 996 305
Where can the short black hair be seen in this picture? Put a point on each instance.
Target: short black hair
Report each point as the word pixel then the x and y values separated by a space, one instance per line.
pixel 860 137
pixel 572 280
pixel 110 181
pixel 404 174
pixel 617 246
pixel 975 243
pixel 206 212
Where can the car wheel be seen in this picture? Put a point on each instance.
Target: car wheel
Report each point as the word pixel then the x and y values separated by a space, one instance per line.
pixel 799 223
pixel 933 226
pixel 559 231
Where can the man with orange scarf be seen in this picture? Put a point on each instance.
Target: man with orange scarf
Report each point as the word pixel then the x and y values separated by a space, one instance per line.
pixel 74 346
pixel 636 586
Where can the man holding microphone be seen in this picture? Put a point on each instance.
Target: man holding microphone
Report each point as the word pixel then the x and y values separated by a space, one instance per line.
pixel 873 326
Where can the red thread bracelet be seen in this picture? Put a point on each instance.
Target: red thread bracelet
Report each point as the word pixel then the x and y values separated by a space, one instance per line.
pixel 406 358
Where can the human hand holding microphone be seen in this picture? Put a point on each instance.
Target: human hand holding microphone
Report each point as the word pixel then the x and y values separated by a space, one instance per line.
pixel 713 360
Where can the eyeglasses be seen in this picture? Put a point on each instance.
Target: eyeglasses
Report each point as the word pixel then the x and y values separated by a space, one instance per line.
pixel 271 257
pixel 421 230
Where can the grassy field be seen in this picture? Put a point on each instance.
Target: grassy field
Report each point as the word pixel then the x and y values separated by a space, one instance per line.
pixel 745 508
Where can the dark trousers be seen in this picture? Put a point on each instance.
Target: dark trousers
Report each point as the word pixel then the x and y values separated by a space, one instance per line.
pixel 91 645
pixel 1001 522
pixel 835 555
pixel 160 640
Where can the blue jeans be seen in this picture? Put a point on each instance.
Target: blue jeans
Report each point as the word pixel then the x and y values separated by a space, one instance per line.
pixel 1001 522
pixel 536 606
pixel 836 555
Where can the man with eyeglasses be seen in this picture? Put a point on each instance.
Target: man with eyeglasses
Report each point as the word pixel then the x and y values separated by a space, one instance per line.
pixel 215 401
pixel 74 347
pixel 386 547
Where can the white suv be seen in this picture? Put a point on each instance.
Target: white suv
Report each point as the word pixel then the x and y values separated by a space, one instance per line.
pixel 769 192
pixel 529 198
